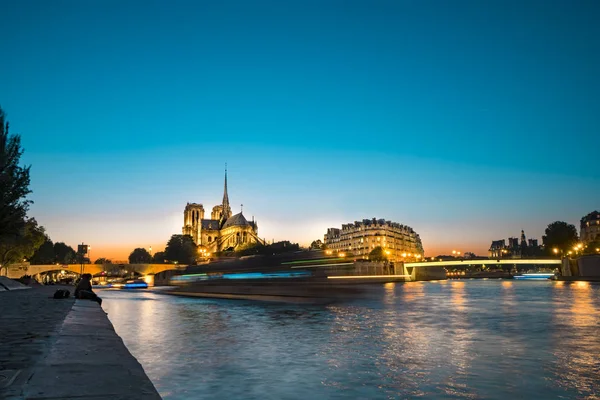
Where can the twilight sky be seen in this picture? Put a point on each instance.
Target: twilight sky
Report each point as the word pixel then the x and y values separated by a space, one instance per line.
pixel 466 120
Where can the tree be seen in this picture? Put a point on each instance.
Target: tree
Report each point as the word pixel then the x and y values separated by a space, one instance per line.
pixel 181 249
pixel 377 254
pixel 44 255
pixel 14 186
pixel 19 237
pixel 247 249
pixel 560 235
pixel 140 256
pixel 316 245
pixel 23 246
pixel 64 254
pixel 159 257
pixel 103 260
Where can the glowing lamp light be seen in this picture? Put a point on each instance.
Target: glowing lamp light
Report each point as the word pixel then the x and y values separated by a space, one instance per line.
pixel 555 250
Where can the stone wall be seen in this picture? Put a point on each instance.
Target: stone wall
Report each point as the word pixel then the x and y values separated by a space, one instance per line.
pixel 433 273
pixel 589 265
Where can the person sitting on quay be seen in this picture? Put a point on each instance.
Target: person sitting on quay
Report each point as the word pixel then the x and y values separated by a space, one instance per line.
pixel 84 289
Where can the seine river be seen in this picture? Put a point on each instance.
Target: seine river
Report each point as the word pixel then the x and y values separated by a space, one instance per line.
pixel 493 339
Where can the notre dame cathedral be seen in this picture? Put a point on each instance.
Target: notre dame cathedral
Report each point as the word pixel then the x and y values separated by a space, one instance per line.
pixel 222 231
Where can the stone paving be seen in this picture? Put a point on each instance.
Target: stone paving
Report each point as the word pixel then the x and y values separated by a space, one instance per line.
pixel 64 349
pixel 28 319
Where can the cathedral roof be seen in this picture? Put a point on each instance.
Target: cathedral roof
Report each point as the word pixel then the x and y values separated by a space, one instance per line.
pixel 210 224
pixel 237 220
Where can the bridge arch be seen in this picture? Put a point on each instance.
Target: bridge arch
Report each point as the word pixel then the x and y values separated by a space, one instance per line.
pixel 20 270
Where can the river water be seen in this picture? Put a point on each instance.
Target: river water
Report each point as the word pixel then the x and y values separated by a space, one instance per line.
pixel 473 339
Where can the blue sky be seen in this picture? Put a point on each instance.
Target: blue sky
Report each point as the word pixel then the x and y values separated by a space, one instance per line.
pixel 466 120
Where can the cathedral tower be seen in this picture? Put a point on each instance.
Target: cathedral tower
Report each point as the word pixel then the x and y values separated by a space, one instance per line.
pixel 226 206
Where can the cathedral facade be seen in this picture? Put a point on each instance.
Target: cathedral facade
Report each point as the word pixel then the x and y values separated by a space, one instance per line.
pixel 223 231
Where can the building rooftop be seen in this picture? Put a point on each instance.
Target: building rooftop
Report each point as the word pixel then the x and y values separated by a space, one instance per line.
pixel 210 224
pixel 594 215
pixel 237 220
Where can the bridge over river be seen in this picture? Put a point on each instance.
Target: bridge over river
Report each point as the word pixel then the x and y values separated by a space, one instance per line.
pixel 16 271
pixel 487 262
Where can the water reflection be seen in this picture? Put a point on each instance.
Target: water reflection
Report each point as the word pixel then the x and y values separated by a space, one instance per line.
pixel 577 364
pixel 458 295
pixel 463 340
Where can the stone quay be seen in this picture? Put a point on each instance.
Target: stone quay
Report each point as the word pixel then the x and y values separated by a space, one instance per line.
pixel 64 349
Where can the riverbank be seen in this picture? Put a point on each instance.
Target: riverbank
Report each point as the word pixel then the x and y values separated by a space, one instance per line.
pixel 64 349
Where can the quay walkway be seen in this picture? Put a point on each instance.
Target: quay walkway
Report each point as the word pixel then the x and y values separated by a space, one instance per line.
pixel 64 349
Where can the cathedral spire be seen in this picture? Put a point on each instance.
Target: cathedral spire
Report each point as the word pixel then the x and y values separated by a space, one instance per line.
pixel 226 206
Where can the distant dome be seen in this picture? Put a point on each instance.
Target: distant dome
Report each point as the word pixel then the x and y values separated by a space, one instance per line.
pixel 236 220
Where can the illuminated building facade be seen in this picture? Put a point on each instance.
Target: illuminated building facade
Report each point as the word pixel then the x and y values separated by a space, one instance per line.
pixel 590 227
pixel 526 248
pixel 399 242
pixel 223 231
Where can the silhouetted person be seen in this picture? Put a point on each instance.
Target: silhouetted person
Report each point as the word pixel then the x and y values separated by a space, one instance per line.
pixel 84 289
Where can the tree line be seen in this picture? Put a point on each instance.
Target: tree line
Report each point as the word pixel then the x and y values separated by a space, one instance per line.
pixel 181 249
